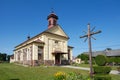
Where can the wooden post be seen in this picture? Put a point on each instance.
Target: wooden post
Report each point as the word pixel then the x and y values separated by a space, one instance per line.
pixel 89 36
pixel 90 50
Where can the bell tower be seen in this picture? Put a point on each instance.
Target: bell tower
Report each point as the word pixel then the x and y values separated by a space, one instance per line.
pixel 52 19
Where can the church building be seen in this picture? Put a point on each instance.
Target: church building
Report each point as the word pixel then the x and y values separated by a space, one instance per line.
pixel 49 47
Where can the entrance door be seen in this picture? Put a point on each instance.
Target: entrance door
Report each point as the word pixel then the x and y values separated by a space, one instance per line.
pixel 57 59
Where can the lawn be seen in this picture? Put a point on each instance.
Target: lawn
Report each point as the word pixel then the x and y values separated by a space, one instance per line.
pixel 17 72
pixel 87 66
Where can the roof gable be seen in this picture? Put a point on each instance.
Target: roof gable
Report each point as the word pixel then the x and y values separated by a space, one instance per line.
pixel 57 30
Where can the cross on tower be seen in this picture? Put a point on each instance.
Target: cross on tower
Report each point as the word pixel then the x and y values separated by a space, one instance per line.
pixel 89 36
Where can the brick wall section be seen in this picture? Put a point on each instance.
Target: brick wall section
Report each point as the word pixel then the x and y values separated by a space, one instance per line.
pixel 36 62
pixel 49 62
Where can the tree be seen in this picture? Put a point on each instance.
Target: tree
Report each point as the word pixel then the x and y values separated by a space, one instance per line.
pixel 8 57
pixel 79 56
pixel 83 56
pixel 108 49
pixel 3 56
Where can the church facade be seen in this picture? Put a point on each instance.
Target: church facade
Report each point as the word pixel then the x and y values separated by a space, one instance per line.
pixel 49 47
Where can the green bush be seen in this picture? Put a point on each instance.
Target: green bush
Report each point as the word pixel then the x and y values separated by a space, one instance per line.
pixel 102 69
pixel 118 68
pixel 86 62
pixel 93 61
pixel 84 57
pixel 102 77
pixel 70 76
pixel 115 60
pixel 100 60
pixel 111 59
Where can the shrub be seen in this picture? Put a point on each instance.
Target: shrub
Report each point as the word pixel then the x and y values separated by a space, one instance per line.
pixel 100 60
pixel 117 60
pixel 102 69
pixel 114 60
pixel 93 61
pixel 118 68
pixel 111 59
pixel 70 76
pixel 76 76
pixel 102 77
pixel 86 62
pixel 60 76
pixel 73 76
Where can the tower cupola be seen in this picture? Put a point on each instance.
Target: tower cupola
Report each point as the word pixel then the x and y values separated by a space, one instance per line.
pixel 52 19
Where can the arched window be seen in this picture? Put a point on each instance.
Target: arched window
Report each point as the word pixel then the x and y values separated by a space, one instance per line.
pixel 49 22
pixel 54 22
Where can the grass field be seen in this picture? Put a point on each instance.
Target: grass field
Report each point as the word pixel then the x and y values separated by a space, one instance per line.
pixel 17 72
pixel 87 65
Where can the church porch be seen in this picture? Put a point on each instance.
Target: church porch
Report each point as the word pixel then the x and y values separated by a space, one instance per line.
pixel 60 59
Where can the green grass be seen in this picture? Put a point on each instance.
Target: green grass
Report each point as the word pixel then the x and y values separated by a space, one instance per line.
pixel 114 67
pixel 114 77
pixel 87 66
pixel 84 65
pixel 17 72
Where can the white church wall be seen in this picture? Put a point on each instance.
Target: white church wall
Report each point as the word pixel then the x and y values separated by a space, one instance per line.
pixel 50 46
pixel 71 56
pixel 50 49
pixel 35 51
pixel 46 48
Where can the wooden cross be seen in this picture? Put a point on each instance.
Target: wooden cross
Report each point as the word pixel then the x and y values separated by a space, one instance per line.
pixel 89 36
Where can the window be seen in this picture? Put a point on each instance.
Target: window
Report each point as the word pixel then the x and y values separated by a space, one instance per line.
pixel 56 42
pixel 54 22
pixel 57 46
pixel 40 52
pixel 25 54
pixel 19 55
pixel 49 22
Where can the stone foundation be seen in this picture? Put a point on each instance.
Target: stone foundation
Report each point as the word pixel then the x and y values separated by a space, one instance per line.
pixel 65 62
pixel 28 62
pixel 40 62
pixel 18 62
pixel 49 62
pixel 36 62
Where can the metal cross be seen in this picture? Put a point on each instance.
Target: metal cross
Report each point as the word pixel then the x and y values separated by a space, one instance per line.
pixel 88 36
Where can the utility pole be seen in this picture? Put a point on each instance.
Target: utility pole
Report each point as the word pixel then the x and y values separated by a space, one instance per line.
pixel 88 36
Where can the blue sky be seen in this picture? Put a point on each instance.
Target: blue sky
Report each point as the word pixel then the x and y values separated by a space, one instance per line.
pixel 20 18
